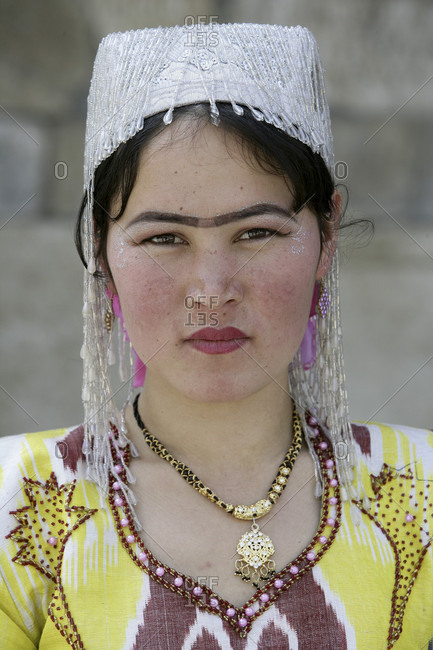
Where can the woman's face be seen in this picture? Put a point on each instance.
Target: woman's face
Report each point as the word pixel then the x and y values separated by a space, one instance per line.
pixel 208 241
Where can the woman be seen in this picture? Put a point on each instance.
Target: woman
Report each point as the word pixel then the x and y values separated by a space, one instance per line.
pixel 209 231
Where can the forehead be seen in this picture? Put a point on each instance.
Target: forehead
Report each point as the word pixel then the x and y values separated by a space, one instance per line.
pixel 204 171
pixel 195 140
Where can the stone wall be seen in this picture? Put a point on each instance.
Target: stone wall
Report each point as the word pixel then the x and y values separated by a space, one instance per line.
pixel 378 59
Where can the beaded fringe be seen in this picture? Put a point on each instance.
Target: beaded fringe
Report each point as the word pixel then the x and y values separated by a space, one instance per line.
pixel 321 391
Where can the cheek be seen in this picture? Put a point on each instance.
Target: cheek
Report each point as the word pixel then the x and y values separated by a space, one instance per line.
pixel 145 293
pixel 284 294
pixel 117 251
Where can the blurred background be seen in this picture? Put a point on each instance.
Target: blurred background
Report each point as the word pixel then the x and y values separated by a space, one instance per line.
pixel 378 58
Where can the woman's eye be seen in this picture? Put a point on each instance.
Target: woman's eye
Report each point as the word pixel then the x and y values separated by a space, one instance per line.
pixel 258 233
pixel 166 238
pixel 170 239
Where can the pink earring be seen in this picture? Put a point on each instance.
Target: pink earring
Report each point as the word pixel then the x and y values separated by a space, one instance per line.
pixel 319 306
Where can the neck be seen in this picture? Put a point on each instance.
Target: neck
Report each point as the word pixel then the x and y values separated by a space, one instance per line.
pixel 222 439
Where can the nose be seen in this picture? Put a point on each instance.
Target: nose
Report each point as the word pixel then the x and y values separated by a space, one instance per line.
pixel 214 281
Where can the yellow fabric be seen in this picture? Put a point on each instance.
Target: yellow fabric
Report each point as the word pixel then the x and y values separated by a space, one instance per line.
pixel 87 592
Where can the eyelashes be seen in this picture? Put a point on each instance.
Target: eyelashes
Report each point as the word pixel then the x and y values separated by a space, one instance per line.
pixel 172 239
pixel 165 239
pixel 260 233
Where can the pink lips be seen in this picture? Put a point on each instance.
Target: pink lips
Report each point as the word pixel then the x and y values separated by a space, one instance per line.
pixel 213 334
pixel 217 341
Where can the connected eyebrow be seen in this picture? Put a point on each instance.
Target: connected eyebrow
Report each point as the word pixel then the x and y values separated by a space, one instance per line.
pixel 219 220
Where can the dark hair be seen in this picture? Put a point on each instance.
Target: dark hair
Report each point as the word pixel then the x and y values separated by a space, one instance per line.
pixel 261 143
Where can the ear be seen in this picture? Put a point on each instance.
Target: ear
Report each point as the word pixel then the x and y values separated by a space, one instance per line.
pixel 110 286
pixel 330 245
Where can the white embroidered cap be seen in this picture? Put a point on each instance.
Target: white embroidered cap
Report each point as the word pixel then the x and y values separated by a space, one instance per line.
pixel 273 70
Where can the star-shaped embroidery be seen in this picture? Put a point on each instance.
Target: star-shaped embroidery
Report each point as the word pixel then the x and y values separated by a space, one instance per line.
pixel 401 507
pixel 46 523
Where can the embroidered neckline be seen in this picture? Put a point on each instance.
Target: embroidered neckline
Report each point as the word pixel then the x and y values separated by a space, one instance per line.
pixel 240 618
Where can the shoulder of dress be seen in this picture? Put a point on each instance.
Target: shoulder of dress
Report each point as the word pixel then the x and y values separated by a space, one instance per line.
pixel 37 455
pixel 395 445
pixel 15 441
pixel 44 499
pixel 50 444
pixel 364 430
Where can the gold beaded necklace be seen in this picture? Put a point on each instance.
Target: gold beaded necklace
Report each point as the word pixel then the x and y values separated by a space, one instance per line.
pixel 254 547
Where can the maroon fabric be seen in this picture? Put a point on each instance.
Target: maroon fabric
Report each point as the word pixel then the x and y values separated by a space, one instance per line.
pixel 166 619
pixel 273 638
pixel 206 641
pixel 309 614
pixel 361 435
pixel 70 448
pixel 169 618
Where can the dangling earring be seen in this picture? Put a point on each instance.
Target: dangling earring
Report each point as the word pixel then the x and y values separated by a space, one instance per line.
pixel 323 301
pixel 109 315
pixel 109 321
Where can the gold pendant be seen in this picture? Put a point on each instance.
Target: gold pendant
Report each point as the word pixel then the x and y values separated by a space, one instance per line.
pixel 255 549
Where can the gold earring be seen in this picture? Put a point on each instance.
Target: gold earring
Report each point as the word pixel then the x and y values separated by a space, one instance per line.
pixel 109 316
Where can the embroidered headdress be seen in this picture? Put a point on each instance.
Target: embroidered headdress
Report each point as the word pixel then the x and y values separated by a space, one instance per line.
pixel 276 72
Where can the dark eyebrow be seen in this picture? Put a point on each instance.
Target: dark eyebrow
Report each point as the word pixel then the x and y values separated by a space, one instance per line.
pixel 219 220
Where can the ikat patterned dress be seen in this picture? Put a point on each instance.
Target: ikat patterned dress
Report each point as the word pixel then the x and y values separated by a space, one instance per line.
pixel 74 574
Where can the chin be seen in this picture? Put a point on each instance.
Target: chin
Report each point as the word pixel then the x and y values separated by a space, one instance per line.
pixel 214 389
